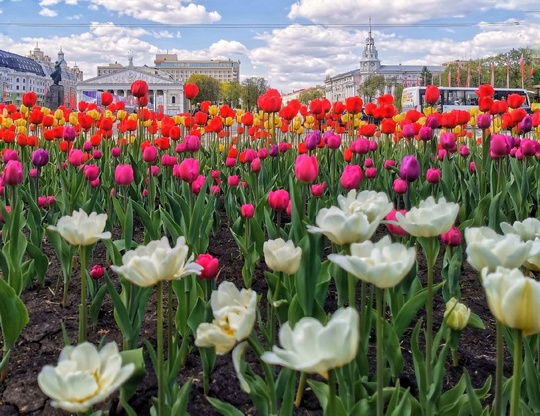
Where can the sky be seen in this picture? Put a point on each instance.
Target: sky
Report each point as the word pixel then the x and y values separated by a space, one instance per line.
pixel 292 44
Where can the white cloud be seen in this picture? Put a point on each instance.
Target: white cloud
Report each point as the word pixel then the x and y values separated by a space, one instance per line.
pixel 46 3
pixel 74 17
pixel 167 12
pixel 47 12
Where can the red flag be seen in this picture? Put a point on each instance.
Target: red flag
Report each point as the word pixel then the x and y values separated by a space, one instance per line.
pixel 507 72
pixel 468 75
pixel 522 68
pixel 458 76
pixel 425 80
pixel 492 74
pixel 449 77
pixel 4 94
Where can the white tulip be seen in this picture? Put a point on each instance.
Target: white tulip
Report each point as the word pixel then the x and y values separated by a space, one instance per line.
pixel 343 227
pixel 81 229
pixel 513 299
pixel 157 261
pixel 383 263
pixel 234 312
pixel 486 248
pixel 313 348
pixel 282 256
pixel 84 376
pixel 528 229
pixel 430 218
pixel 375 205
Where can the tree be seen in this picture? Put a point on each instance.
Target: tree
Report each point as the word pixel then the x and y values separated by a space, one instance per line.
pixel 208 88
pixel 372 87
pixel 310 94
pixel 253 87
pixel 231 93
pixel 427 76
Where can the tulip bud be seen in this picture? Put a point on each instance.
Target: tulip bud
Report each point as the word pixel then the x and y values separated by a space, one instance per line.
pixel 97 272
pixel 318 189
pixel 233 181
pixel 400 186
pixel 210 266
pixel 13 173
pixel 457 315
pixel 40 157
pixel 247 210
pixel 452 237
pixel 433 176
pixel 150 154
pixel 123 175
pixel 395 229
pixel 306 168
pixel 278 200
pixel 371 173
pixel 351 177
pixel 409 169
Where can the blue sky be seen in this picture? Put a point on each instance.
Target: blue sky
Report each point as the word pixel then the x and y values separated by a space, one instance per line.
pixel 292 44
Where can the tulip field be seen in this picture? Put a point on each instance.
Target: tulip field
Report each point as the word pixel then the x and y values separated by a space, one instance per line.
pixel 323 259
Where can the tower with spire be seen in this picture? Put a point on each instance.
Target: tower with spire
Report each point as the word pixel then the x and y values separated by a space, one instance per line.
pixel 370 58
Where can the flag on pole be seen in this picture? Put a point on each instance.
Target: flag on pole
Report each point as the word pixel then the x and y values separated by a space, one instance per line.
pixel 449 77
pixel 458 76
pixel 440 78
pixel 507 72
pixel 522 68
pixel 4 94
pixel 425 79
pixel 493 74
pixel 479 72
pixel 468 82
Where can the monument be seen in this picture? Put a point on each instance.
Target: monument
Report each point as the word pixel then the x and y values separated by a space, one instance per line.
pixel 55 95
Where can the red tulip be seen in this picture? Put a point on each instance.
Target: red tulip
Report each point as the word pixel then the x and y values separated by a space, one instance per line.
pixel 139 88
pixel 106 98
pixel 353 105
pixel 191 90
pixel 29 99
pixel 432 94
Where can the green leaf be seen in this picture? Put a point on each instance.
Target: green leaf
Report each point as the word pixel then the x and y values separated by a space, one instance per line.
pixel 96 304
pixel 13 315
pixel 226 409
pixel 475 322
pixel 321 390
pixel 135 356
pixel 121 314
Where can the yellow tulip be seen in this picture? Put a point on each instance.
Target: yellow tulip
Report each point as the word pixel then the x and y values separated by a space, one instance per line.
pixel 429 110
pixel 229 121
pixel 178 119
pixel 23 109
pixel 73 118
pixel 61 121
pixel 20 122
pixel 121 114
pixel 221 147
pixel 58 114
pixel 46 111
pixel 94 114
pixel 458 315
pixel 310 119
pixel 213 110
pixel 21 129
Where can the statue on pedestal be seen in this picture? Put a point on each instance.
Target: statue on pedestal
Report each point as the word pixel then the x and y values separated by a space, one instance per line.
pixel 56 75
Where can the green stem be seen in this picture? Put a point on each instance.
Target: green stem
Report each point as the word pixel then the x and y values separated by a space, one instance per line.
pixel 268 373
pixel 331 406
pixel 170 348
pixel 160 373
pixel 516 379
pixel 379 294
pixel 300 389
pixel 499 369
pixel 352 289
pixel 83 308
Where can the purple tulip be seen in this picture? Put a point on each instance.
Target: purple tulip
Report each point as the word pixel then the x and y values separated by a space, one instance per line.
pixel 409 169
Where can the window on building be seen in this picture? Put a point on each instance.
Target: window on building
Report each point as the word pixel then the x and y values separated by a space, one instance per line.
pixel 173 99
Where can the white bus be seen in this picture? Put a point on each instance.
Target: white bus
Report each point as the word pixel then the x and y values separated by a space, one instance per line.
pixel 452 98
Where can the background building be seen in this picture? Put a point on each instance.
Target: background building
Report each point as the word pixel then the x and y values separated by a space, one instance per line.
pixel 181 70
pixel 347 84
pixel 20 74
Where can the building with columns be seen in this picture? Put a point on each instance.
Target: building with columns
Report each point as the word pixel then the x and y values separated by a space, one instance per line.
pixel 347 84
pixel 164 94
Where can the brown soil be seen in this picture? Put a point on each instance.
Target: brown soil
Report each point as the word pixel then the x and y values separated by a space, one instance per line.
pixel 42 340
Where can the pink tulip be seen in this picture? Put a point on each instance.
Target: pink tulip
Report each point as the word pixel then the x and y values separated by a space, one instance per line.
pixel 189 170
pixel 351 177
pixel 210 266
pixel 247 210
pixel 306 168
pixel 278 200
pixel 197 184
pixel 452 237
pixel 91 172
pixel 150 154
pixel 317 190
pixel 123 175
pixel 395 229
pixel 400 186
pixel 433 176
pixel 233 181
pixel 13 173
